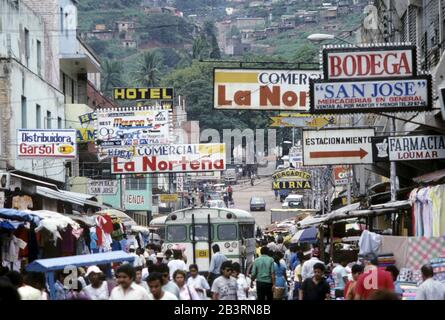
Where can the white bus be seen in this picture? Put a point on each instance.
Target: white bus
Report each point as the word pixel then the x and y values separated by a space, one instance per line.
pixel 198 229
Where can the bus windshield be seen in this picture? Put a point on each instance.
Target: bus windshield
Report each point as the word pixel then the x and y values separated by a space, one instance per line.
pixel 176 233
pixel 227 232
pixel 201 232
pixel 247 231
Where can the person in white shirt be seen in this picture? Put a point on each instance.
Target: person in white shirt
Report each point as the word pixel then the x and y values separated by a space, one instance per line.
pixel 97 289
pixel 138 279
pixel 241 282
pixel 177 263
pixel 185 291
pixel 156 292
pixel 430 289
pixel 127 289
pixel 340 276
pixel 307 270
pixel 198 282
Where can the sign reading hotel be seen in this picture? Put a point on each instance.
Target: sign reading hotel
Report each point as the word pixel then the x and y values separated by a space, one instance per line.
pixel 337 146
pixel 173 158
pixel 127 127
pixel 102 187
pixel 292 185
pixel 262 89
pixel 46 143
pixel 143 94
pixel 409 148
pixel 290 173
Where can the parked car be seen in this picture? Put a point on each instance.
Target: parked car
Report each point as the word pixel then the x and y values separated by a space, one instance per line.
pixel 215 204
pixel 293 201
pixel 257 203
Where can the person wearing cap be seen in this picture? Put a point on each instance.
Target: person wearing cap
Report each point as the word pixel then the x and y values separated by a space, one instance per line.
pixel 372 279
pixel 307 270
pixel 97 289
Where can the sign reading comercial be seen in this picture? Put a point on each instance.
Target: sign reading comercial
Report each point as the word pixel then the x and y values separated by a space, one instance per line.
pixel 337 146
pixel 46 143
pixel 126 127
pixel 262 89
pixel 143 94
pixel 292 185
pixel 173 158
pixel 409 148
pixel 102 187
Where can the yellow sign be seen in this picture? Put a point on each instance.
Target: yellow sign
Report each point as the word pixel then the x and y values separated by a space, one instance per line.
pixel 293 185
pixel 85 135
pixel 301 120
pixel 143 93
pixel 66 149
pixel 290 173
pixel 202 253
pixel 168 197
pixel 211 148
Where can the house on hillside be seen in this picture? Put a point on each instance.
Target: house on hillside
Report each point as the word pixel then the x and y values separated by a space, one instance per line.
pixel 304 16
pixel 172 11
pixel 288 21
pixel 236 47
pixel 125 26
pixel 250 23
pixel 329 13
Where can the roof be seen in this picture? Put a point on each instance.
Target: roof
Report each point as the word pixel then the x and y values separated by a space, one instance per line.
pixel 158 220
pixel 67 196
pixel 45 265
pixel 202 213
pixel 430 177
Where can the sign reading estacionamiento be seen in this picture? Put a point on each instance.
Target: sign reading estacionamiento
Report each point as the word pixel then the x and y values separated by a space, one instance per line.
pixel 409 148
pixel 173 158
pixel 292 185
pixel 46 143
pixel 262 89
pixel 143 94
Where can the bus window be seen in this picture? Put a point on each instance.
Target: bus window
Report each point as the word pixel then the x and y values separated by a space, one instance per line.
pixel 247 231
pixel 227 232
pixel 201 232
pixel 176 233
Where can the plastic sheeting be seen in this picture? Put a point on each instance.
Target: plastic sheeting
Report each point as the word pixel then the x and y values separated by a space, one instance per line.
pixel 25 216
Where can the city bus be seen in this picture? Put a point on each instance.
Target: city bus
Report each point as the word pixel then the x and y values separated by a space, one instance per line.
pixel 198 229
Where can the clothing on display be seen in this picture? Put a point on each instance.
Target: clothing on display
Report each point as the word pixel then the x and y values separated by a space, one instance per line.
pixel 438 265
pixel 398 246
pixel 422 250
pixel 369 242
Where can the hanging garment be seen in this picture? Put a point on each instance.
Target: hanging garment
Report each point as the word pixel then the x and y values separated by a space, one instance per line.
pixel 108 224
pixel 398 246
pixel 427 211
pixel 437 195
pixel 419 214
pixel 99 233
pixel 414 208
pixel 93 238
pixel 33 246
pixel 421 250
pixel 369 242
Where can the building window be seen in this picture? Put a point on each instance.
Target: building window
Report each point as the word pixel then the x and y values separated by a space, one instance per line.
pixel 39 57
pixel 27 46
pixel 61 19
pixel 48 119
pixel 135 183
pixel 38 116
pixel 24 113
pixel 59 123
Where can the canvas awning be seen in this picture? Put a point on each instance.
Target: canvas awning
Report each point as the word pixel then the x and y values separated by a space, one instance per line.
pixel 68 196
pixel 308 235
pixel 430 177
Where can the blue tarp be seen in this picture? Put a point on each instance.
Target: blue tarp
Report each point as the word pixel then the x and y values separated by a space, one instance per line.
pixel 48 265
pixel 17 215
pixel 309 235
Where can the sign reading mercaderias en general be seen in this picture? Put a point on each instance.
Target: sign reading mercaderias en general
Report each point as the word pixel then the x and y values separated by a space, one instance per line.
pixel 143 94
pixel 408 148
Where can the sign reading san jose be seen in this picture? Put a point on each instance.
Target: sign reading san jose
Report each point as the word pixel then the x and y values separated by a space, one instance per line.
pixel 262 89
pixel 337 146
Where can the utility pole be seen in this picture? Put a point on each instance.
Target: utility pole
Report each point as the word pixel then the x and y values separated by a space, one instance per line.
pixel 393 169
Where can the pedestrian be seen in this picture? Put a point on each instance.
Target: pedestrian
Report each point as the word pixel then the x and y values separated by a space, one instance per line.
pixel 226 199
pixel 372 279
pixel 127 289
pixel 280 245
pixel 138 279
pixel 215 263
pixel 157 292
pixel 98 289
pixel 167 284
pixel 202 197
pixel 307 271
pixel 395 274
pixel 264 273
pixel 177 263
pixel 349 290
pixel 59 287
pixel 198 282
pixel 340 276
pixel 186 292
pixel 225 287
pixel 280 284
pixel 167 256
pixel 298 279
pixel 430 289
pixel 294 260
pixel 26 291
pixel 230 192
pixel 241 282
pixel 315 288
pixel 8 292
pixel 276 194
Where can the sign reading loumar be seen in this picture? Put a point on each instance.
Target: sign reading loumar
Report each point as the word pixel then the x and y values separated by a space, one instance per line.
pixel 173 158
pixel 46 143
pixel 409 148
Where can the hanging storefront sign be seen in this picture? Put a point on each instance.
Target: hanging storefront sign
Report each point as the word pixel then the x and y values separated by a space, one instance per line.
pixel 143 94
pixel 409 148
pixel 301 121
pixel 179 183
pixel 289 173
pixel 173 158
pixel 342 175
pixel 168 197
pixel 369 62
pixel 46 143
pixel 85 135
pixel 291 185
pixel 102 187
pixel 409 94
pixel 337 146
pixel 126 127
pixel 88 117
pixel 262 89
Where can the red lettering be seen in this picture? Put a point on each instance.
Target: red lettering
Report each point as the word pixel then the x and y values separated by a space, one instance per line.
pixel 219 164
pixel 303 97
pixel 269 97
pixel 149 162
pixel 194 165
pixel 222 96
pixel 290 98
pixel 242 98
pixel 335 64
pixel 204 164
pixel 163 165
pixel 404 64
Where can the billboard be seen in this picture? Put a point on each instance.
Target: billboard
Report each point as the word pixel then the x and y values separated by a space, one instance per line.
pixel 395 95
pixel 409 148
pixel 46 143
pixel 102 187
pixel 292 185
pixel 290 173
pixel 337 146
pixel 173 158
pixel 143 94
pixel 127 127
pixel 301 121
pixel 262 89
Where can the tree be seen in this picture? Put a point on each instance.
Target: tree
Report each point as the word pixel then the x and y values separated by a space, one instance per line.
pixel 200 48
pixel 111 75
pixel 147 72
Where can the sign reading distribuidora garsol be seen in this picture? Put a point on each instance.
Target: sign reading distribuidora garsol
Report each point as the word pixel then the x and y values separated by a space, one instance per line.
pixel 409 148
pixel 46 143
pixel 173 158
pixel 262 89
pixel 337 146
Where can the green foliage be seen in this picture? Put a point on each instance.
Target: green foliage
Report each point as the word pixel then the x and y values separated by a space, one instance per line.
pixel 167 29
pixel 111 75
pixel 147 70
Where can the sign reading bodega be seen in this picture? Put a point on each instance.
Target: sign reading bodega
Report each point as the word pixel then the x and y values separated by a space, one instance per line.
pixel 47 143
pixel 173 158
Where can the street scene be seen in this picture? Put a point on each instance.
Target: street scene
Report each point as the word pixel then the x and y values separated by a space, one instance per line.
pixel 240 150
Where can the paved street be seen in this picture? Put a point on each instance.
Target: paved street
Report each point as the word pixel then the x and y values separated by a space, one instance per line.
pixel 262 188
